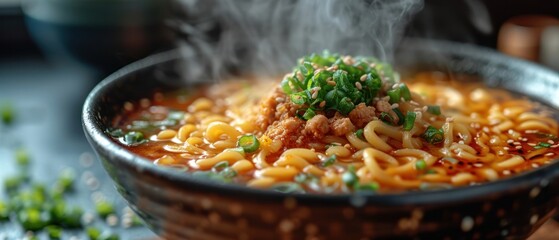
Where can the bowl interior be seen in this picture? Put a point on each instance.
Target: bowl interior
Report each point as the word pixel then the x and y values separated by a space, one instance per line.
pixel 159 72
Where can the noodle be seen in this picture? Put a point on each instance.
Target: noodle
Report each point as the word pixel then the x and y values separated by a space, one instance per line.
pixel 475 134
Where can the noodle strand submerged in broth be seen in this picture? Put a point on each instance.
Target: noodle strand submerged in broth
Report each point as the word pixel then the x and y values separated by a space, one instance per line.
pixel 342 124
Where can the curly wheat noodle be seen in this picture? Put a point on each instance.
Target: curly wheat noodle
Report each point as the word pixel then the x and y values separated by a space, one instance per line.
pixel 477 146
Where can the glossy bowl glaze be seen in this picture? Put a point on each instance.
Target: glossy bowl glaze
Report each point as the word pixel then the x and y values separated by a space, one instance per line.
pixel 177 206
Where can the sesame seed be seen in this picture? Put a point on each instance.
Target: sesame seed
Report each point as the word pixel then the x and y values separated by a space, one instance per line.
pixel 506 148
pixel 535 165
pixel 449 119
pixel 549 154
pixel 363 77
pixel 518 147
pixel 524 139
pixel 317 71
pixel 396 85
pixel 280 99
pixel 424 109
pixel 412 102
pixel 555 146
pixel 510 141
pixel 461 142
pixel 550 142
pixel 358 85
pixel 516 143
pixel 372 65
pixel 506 172
pixel 531 131
pixel 322 104
pixel 532 144
pixel 315 95
pixel 331 83
pixel 394 106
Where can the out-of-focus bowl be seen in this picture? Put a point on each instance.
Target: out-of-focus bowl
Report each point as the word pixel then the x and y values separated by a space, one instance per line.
pixel 101 34
pixel 178 206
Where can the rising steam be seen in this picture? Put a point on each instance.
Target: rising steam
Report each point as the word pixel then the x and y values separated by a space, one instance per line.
pixel 267 36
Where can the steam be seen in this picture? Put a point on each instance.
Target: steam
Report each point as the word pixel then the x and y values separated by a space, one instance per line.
pixel 268 36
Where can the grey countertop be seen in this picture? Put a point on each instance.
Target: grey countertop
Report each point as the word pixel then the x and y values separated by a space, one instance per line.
pixel 47 100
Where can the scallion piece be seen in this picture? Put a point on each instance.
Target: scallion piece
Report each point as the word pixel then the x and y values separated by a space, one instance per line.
pixel 104 209
pixel 329 161
pixel 434 109
pixel 134 138
pixel 54 232
pixel 367 187
pixel 409 121
pixel 386 118
pixel 405 92
pixel 394 95
pixel 433 135
pixel 7 113
pixel 359 133
pixel 309 114
pixel 400 116
pixel 420 165
pixel 249 143
pixel 542 145
pixel 349 177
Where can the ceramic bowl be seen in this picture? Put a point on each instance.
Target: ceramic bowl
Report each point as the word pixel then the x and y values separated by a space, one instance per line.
pixel 176 205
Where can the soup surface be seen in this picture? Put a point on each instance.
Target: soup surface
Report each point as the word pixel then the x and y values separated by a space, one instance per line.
pixel 341 124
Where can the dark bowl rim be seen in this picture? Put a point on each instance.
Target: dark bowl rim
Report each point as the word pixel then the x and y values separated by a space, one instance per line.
pixel 539 177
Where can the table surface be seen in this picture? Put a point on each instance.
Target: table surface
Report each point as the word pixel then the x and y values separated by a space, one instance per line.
pixel 48 100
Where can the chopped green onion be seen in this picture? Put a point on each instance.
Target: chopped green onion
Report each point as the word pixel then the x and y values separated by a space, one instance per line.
pixel 54 232
pixel 4 211
pixel 228 173
pixel 359 133
pixel 367 187
pixel 134 138
pixel 249 143
pixel 116 133
pixel 7 113
pixel 104 208
pixel 434 109
pixel 405 92
pixel 431 171
pixel 22 157
pixel 542 145
pixel 93 233
pixel 345 106
pixel 349 177
pixel 394 94
pixel 386 118
pixel 409 121
pixel 309 114
pixel 218 167
pixel 33 219
pixel 433 135
pixel 420 165
pixel 329 161
pixel 288 187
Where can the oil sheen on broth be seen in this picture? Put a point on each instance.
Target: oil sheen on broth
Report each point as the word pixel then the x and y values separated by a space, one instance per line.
pixel 340 124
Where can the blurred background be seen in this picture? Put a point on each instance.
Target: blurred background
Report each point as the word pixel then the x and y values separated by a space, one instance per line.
pixel 53 52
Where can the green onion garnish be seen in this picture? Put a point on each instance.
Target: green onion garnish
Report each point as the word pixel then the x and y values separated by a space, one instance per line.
pixel 328 82
pixel 329 161
pixel 394 95
pixel 367 187
pixel 542 145
pixel 434 109
pixel 249 143
pixel 420 165
pixel 54 232
pixel 104 208
pixel 359 133
pixel 7 113
pixel 349 177
pixel 400 116
pixel 409 121
pixel 405 92
pixel 309 114
pixel 288 187
pixel 134 138
pixel 386 118
pixel 433 135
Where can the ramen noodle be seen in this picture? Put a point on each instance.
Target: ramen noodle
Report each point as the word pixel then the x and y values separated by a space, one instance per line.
pixel 341 124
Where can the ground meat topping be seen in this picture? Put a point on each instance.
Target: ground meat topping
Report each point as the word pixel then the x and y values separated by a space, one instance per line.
pixel 317 126
pixel 361 115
